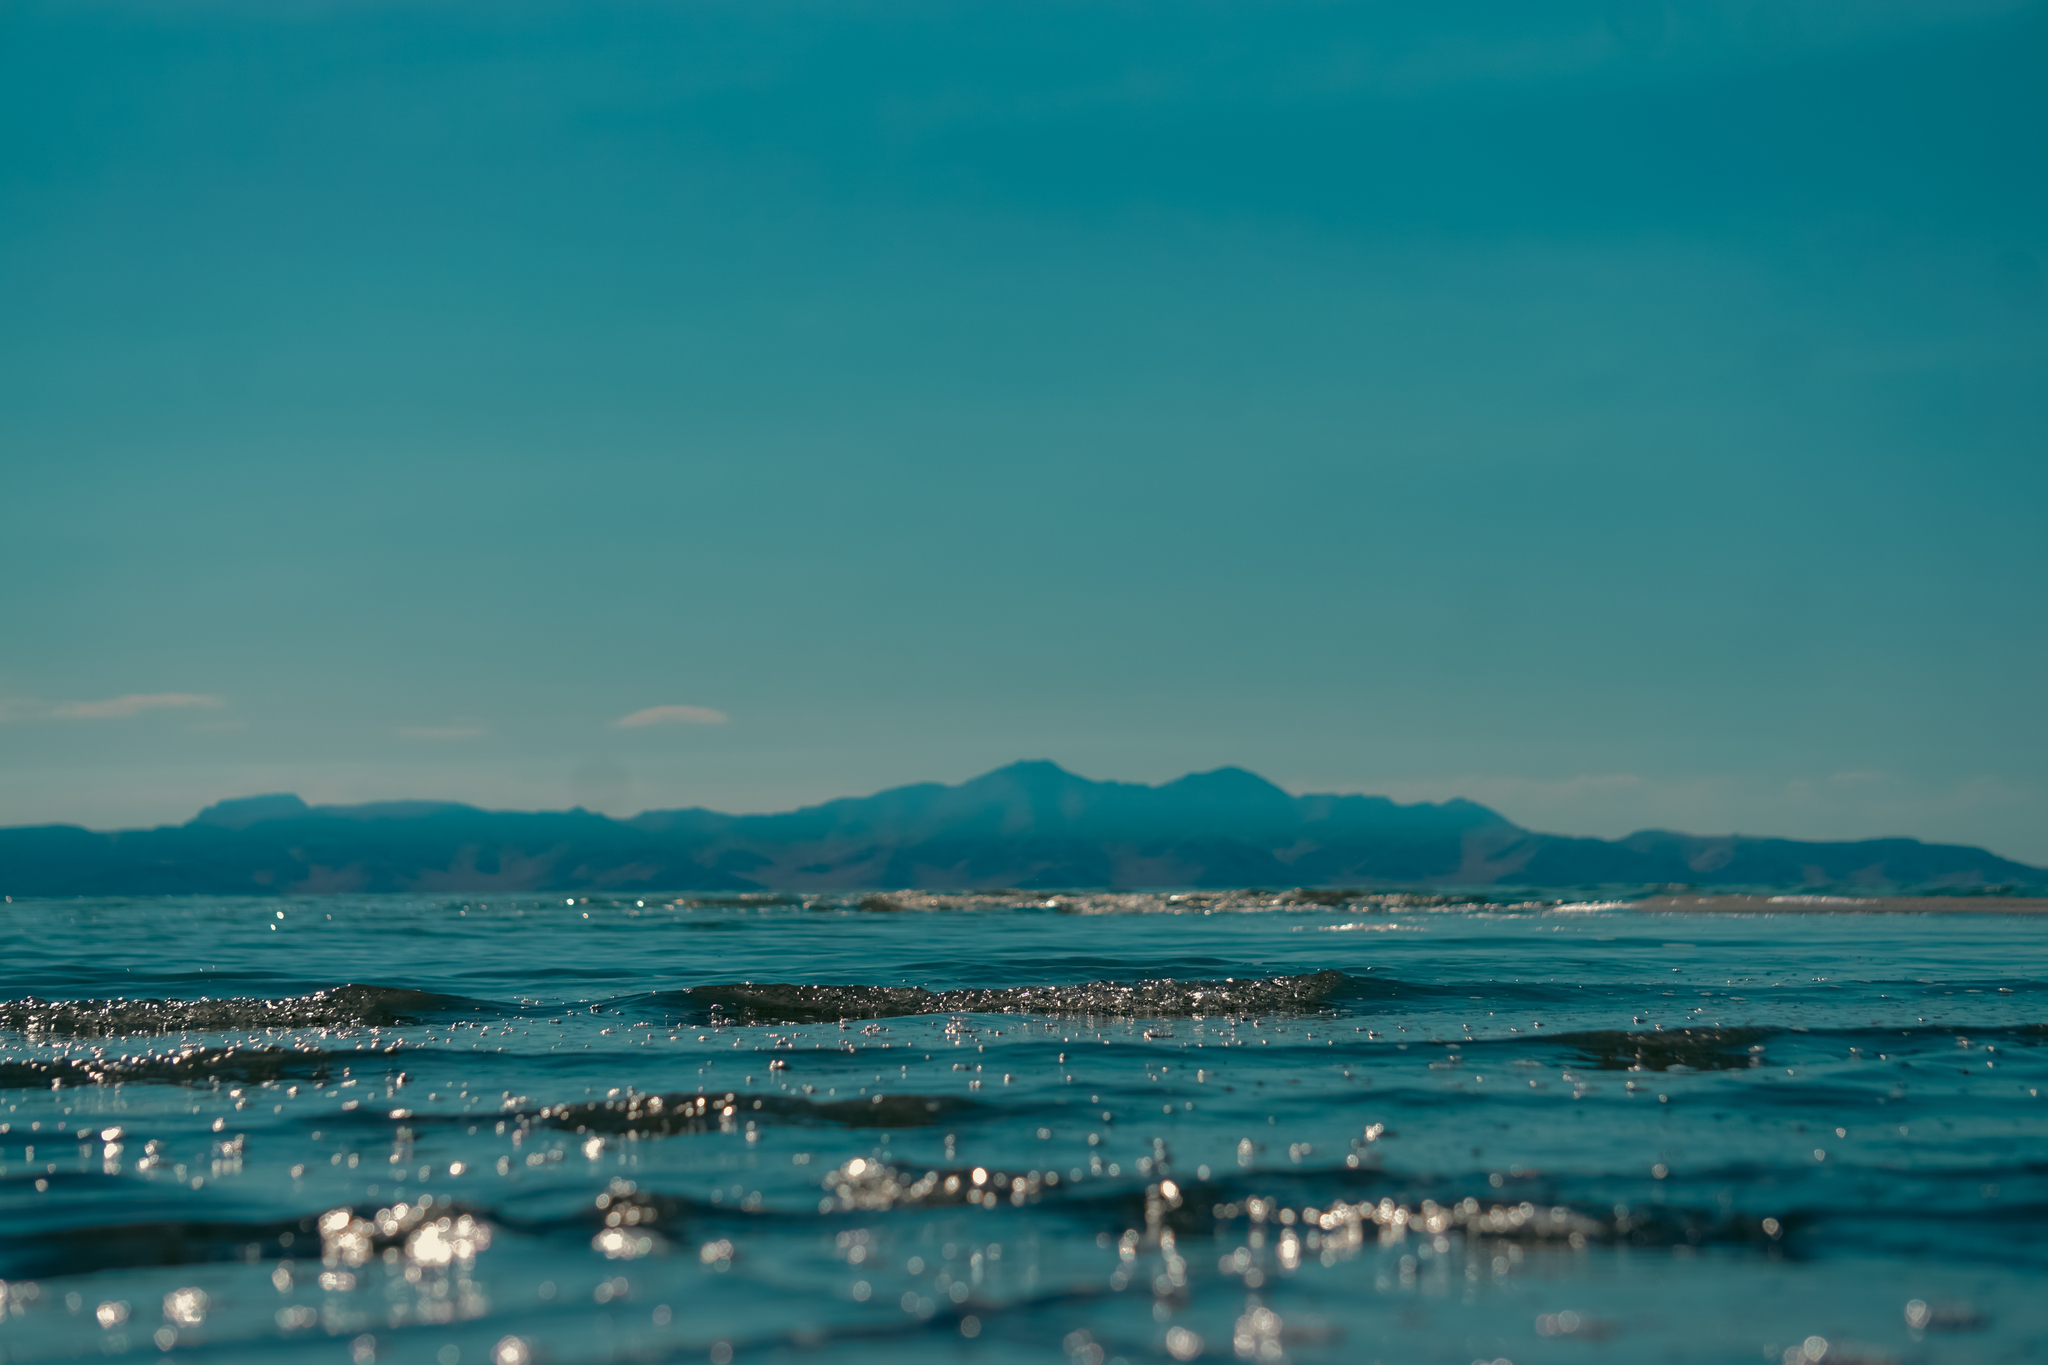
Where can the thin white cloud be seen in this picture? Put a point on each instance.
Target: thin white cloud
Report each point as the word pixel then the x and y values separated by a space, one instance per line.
pixel 673 715
pixel 442 731
pixel 121 708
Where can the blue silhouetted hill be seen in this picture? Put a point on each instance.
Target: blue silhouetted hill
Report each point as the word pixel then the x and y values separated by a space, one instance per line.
pixel 1029 826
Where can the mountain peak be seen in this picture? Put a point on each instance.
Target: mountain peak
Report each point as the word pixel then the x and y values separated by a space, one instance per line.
pixel 1031 772
pixel 1240 783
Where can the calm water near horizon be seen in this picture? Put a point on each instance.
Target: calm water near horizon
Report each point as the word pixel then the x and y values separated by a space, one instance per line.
pixel 978 1128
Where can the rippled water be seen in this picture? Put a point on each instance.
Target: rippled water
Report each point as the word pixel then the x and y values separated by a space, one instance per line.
pixel 972 1128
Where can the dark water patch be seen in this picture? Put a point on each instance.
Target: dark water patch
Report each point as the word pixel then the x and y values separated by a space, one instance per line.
pixel 85 1250
pixel 750 1002
pixel 336 1007
pixel 665 1115
pixel 1689 1049
pixel 1707 1048
pixel 2002 1235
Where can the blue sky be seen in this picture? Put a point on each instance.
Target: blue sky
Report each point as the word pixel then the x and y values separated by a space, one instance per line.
pixel 1625 415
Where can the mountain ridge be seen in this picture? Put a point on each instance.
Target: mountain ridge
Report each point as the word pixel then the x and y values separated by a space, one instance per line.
pixel 1030 825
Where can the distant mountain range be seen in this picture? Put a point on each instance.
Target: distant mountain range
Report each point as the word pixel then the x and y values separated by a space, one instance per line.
pixel 1028 826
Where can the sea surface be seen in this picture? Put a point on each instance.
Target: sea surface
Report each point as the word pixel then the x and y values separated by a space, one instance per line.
pixel 1017 1128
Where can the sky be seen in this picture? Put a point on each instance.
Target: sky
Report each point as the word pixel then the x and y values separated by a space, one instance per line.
pixel 1626 415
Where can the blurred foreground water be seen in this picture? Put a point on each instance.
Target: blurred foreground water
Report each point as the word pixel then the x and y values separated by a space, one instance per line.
pixel 987 1128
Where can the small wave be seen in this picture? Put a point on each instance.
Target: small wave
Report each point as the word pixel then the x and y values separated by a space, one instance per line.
pixel 177 1240
pixel 1200 1206
pixel 336 1007
pixel 429 1231
pixel 1348 1226
pixel 775 1002
pixel 186 1066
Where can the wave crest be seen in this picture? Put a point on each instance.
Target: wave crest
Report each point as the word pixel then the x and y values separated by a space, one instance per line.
pixel 186 1066
pixel 335 1007
pixel 749 1002
pixel 667 1115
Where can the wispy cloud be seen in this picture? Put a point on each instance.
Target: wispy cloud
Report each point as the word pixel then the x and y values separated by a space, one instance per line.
pixel 673 715
pixel 442 731
pixel 121 708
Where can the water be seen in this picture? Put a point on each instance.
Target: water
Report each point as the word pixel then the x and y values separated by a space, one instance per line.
pixel 1074 1130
